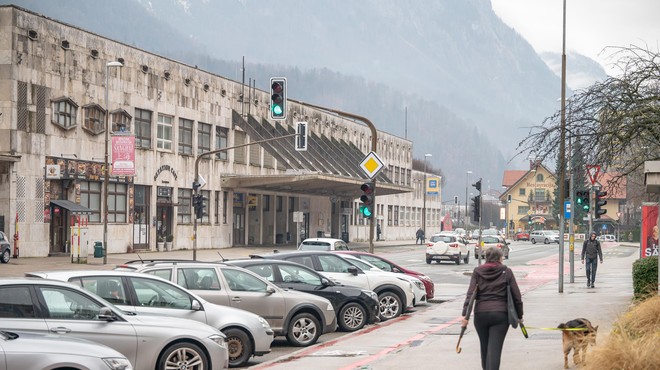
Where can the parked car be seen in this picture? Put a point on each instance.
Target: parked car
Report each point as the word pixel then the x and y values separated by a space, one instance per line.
pixel 493 241
pixel 24 350
pixel 447 247
pixel 394 295
pixel 149 342
pixel 523 235
pixel 606 238
pixel 387 265
pixel 355 307
pixel 5 248
pixel 323 244
pixel 247 334
pixel 301 317
pixel 545 236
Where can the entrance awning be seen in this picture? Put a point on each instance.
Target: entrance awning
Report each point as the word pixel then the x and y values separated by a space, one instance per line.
pixel 74 208
pixel 312 184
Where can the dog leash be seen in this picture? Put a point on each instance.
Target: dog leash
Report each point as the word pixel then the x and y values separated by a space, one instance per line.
pixel 564 329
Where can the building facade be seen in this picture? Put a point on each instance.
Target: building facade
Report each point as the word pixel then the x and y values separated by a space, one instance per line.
pixel 55 124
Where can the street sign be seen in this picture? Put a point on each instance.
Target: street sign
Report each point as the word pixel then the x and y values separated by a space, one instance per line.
pixel 372 164
pixel 593 172
pixel 567 210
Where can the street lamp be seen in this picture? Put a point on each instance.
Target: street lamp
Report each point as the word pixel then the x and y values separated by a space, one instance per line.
pixel 467 180
pixel 106 167
pixel 424 190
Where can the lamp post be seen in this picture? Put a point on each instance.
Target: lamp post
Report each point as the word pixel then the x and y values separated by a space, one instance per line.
pixel 424 190
pixel 467 180
pixel 106 167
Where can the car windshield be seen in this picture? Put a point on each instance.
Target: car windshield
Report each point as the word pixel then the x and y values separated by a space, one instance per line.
pixel 442 238
pixel 315 246
pixel 490 239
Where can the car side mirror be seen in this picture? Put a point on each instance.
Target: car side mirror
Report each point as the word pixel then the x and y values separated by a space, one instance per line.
pixel 196 306
pixel 105 313
pixel 353 270
pixel 270 290
pixel 394 269
pixel 325 282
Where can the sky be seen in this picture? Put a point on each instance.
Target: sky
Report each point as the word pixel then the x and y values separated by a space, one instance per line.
pixel 591 25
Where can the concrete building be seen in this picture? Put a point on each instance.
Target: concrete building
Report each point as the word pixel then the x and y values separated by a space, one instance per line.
pixel 162 115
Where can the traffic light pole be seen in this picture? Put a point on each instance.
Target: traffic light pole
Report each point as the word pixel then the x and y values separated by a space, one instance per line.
pixel 197 185
pixel 374 146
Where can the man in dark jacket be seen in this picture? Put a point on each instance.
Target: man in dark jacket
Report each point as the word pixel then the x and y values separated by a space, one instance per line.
pixel 420 236
pixel 591 249
pixel 489 282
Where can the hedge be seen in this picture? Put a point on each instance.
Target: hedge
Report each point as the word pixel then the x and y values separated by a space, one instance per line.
pixel 645 276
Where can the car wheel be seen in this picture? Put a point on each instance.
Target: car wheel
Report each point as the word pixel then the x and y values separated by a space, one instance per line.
pixel 304 330
pixel 545 241
pixel 5 256
pixel 389 305
pixel 533 241
pixel 428 261
pixel 239 347
pixel 183 355
pixel 352 317
pixel 467 258
pixel 458 260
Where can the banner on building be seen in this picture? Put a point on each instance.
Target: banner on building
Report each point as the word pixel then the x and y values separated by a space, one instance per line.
pixel 649 234
pixel 432 185
pixel 123 155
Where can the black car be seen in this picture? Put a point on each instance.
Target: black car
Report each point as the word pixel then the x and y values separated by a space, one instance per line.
pixel 355 307
pixel 5 249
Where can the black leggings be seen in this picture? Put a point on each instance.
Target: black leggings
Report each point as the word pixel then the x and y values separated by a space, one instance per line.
pixel 492 328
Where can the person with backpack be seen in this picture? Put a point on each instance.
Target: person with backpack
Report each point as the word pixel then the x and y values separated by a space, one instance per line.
pixel 592 251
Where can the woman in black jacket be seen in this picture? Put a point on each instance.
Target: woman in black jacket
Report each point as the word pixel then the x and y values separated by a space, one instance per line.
pixel 491 320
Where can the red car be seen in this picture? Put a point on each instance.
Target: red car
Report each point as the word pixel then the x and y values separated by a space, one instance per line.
pixel 523 235
pixel 387 265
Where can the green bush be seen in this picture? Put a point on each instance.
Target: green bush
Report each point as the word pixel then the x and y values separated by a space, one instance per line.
pixel 645 276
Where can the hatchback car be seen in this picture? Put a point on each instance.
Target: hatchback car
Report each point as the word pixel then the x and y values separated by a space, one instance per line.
pixel 323 244
pixel 24 350
pixel 447 247
pixel 493 241
pixel 545 236
pixel 247 334
pixel 355 307
pixel 387 265
pixel 523 235
pixel 149 342
pixel 301 317
pixel 5 248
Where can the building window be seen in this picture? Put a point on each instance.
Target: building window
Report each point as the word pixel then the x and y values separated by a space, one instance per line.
pixel 522 210
pixel 90 197
pixel 218 207
pixel 521 191
pixel 539 177
pixel 539 195
pixel 225 196
pixel 117 201
pixel 221 142
pixel 292 204
pixel 121 121
pixel 389 215
pixel 396 215
pixel 142 128
pixel 278 205
pixel 203 138
pixel 94 119
pixel 266 200
pixel 184 209
pixel 64 113
pixel 164 132
pixel 185 136
pixel 239 153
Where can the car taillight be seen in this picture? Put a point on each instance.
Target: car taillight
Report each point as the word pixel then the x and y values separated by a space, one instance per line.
pixel 429 244
pixel 453 245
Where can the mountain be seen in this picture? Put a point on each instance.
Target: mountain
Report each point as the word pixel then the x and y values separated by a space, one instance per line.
pixel 581 71
pixel 471 84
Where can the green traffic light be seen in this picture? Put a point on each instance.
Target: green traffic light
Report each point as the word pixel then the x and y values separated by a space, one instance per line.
pixel 277 110
pixel 365 211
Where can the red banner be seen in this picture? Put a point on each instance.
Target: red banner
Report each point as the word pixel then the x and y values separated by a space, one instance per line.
pixel 649 233
pixel 123 155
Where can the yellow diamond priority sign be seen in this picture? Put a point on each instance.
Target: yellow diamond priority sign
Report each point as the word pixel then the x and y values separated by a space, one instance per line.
pixel 372 164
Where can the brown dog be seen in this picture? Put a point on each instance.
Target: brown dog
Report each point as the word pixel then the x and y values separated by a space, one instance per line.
pixel 577 340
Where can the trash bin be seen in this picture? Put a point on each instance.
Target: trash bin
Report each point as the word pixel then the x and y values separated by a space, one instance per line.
pixel 98 249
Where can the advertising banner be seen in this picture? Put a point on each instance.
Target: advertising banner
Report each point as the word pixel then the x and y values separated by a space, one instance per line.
pixel 123 155
pixel 649 234
pixel 432 186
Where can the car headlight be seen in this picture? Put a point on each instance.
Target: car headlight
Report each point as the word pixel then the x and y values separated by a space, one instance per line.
pixel 419 284
pixel 264 323
pixel 220 340
pixel 329 308
pixel 118 363
pixel 424 277
pixel 371 294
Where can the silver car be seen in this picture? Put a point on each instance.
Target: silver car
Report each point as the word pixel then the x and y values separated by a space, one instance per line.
pixel 149 342
pixel 301 317
pixel 247 334
pixel 20 350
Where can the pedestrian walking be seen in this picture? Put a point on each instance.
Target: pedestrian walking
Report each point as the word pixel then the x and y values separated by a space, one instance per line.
pixel 377 231
pixel 420 236
pixel 491 320
pixel 592 251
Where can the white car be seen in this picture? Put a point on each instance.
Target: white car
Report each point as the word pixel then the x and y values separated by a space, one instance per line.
pixel 545 236
pixel 323 244
pixel 444 246
pixel 606 238
pixel 368 268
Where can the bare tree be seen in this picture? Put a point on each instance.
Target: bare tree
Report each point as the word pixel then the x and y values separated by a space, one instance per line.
pixel 616 121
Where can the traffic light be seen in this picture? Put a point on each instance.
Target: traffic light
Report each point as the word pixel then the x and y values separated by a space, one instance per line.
pixel 477 185
pixel 508 198
pixel 278 98
pixel 476 205
pixel 301 136
pixel 199 203
pixel 367 199
pixel 455 199
pixel 600 202
pixel 582 200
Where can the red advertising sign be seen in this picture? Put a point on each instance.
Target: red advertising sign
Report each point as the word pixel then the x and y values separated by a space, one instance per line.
pixel 649 233
pixel 123 155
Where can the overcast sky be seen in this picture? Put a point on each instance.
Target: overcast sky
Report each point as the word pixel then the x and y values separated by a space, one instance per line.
pixel 591 25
